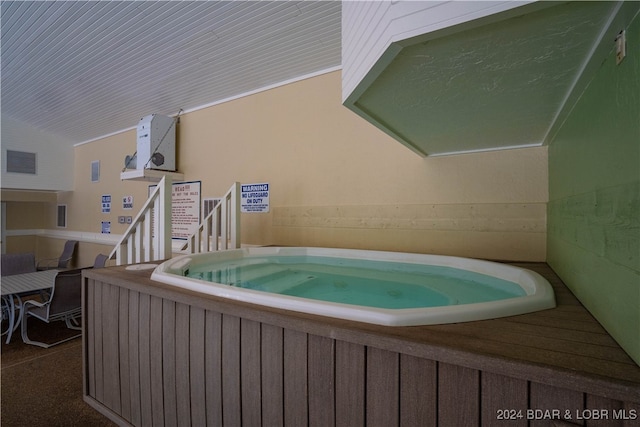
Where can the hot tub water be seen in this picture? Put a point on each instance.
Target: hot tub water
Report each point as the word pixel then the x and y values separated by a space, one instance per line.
pixel 383 288
pixel 369 283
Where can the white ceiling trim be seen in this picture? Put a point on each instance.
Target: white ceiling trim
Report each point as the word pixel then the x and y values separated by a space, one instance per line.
pixel 222 101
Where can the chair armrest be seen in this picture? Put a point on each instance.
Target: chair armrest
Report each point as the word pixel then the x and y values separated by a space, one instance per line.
pixel 47 260
pixel 51 263
pixel 35 303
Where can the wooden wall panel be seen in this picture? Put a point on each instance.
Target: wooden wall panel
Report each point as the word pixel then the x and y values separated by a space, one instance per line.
pixel 231 392
pixel 272 364
pixel 606 409
pixel 110 347
pixel 182 366
pixel 250 372
pixel 154 361
pixel 321 365
pixel 382 381
pixel 144 338
pixel 99 328
pixel 168 361
pixel 549 398
pixel 296 389
pixel 504 400
pixel 123 353
pixel 458 395
pixel 350 384
pixel 213 367
pixel 418 392
pixel 632 412
pixel 134 358
pixel 197 367
pixel 89 317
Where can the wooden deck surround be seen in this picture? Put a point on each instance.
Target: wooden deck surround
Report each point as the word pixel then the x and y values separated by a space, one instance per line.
pixel 157 355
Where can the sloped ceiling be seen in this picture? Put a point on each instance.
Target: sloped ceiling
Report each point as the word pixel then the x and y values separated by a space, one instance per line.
pixel 495 86
pixel 82 70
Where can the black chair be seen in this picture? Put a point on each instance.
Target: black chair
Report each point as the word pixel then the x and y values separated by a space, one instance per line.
pixel 65 303
pixel 62 262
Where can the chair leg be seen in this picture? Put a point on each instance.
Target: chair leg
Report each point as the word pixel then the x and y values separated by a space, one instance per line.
pixel 26 339
pixel 72 323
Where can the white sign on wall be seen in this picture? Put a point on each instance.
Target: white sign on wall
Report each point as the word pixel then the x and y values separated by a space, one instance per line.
pixel 185 208
pixel 127 202
pixel 254 197
pixel 106 203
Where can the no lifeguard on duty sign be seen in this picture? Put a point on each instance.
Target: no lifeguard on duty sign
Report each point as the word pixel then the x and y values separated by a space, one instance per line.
pixel 254 197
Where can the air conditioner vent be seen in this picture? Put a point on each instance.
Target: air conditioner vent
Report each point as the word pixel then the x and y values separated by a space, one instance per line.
pixel 21 162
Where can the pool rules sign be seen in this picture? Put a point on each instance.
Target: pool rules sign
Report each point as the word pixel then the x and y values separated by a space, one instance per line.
pixel 254 197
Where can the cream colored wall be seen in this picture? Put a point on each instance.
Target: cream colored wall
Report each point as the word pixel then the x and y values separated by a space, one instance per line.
pixel 53 155
pixel 336 180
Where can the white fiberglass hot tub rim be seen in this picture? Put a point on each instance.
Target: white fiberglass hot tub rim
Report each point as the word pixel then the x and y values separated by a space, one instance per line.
pixel 539 293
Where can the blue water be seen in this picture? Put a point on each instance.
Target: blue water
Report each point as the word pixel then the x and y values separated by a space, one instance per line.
pixel 359 282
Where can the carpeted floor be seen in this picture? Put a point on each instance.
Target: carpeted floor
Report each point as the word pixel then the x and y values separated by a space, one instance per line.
pixel 43 387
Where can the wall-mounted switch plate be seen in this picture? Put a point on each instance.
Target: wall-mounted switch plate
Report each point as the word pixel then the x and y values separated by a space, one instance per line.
pixel 121 220
pixel 621 47
pixel 129 219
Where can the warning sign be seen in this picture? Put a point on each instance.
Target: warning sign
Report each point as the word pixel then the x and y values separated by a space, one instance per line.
pixel 254 198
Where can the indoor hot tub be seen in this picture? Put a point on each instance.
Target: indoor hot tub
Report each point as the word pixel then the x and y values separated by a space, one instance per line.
pixel 384 288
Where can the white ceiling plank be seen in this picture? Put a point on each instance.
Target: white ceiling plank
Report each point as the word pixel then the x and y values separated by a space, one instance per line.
pixel 85 69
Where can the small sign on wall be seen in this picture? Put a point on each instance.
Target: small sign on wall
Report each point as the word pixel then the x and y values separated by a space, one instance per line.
pixel 106 227
pixel 254 197
pixel 185 208
pixel 127 202
pixel 106 203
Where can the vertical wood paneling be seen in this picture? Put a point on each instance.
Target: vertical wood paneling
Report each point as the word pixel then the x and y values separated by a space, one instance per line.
pixel 182 368
pixel 383 406
pixel 601 405
pixel 250 372
pixel 89 318
pixel 458 395
pixel 501 393
pixel 272 376
pixel 168 362
pixel 197 367
pixel 144 338
pixel 98 331
pixel 546 397
pixel 632 412
pixel 110 357
pixel 213 367
pixel 321 381
pixel 418 391
pixel 123 353
pixel 155 358
pixel 296 398
pixel 134 357
pixel 350 383
pixel 231 394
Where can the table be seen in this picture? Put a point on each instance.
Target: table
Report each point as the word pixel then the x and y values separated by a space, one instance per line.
pixel 14 285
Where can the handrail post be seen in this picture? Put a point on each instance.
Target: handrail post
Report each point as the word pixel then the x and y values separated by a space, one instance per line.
pixel 163 220
pixel 235 216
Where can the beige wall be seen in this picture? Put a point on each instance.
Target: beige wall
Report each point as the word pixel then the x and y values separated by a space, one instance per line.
pixel 336 180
